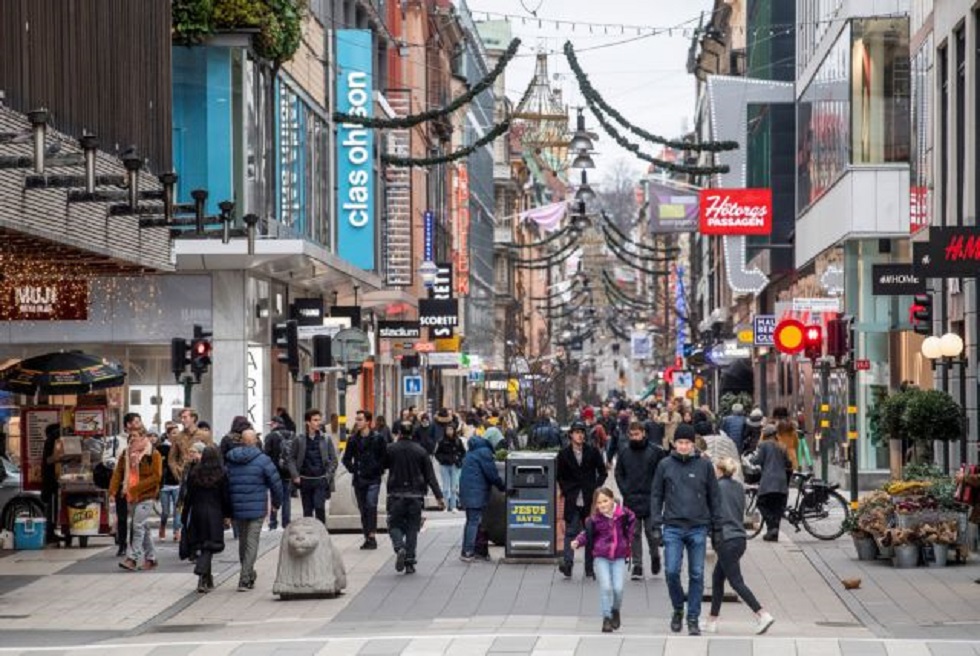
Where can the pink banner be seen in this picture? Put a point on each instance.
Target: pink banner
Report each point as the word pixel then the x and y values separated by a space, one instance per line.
pixel 547 217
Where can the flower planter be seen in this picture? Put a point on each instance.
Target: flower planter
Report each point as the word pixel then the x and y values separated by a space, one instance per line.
pixel 883 551
pixel 866 547
pixel 906 556
pixel 935 555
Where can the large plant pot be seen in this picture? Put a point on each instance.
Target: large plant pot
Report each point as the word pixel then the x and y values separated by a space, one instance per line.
pixel 906 556
pixel 935 555
pixel 866 547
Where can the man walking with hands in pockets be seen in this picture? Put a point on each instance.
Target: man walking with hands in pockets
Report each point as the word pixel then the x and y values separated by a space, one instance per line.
pixel 685 506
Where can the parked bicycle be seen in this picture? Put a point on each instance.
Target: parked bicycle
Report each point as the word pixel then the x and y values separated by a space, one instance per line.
pixel 819 507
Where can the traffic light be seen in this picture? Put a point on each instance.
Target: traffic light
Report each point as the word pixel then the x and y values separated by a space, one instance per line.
pixel 179 358
pixel 813 342
pixel 922 314
pixel 839 343
pixel 291 356
pixel 322 355
pixel 200 352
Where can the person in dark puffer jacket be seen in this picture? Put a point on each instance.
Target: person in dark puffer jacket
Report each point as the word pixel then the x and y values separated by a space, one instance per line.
pixel 251 478
pixel 479 473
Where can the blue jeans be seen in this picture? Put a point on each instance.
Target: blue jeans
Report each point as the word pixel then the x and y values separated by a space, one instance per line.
pixel 168 506
pixel 676 541
pixel 473 518
pixel 287 490
pixel 450 484
pixel 610 574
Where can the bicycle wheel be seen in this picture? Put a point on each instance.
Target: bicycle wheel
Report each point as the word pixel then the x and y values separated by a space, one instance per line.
pixel 753 516
pixel 825 521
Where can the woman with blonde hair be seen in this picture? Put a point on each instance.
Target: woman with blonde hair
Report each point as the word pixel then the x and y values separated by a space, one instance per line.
pixel 729 540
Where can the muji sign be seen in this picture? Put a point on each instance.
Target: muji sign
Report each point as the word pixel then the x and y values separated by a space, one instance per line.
pixel 731 212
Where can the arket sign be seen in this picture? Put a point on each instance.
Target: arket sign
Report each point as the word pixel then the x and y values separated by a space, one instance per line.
pixel 733 212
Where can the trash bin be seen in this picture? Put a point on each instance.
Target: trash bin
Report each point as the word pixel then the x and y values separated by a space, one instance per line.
pixel 531 516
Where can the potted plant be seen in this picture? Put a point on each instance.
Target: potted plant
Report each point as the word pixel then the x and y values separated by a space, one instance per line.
pixel 933 415
pixel 864 542
pixel 888 417
pixel 936 540
pixel 905 542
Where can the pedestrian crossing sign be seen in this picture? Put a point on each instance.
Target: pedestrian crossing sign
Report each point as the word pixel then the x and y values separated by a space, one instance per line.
pixel 412 385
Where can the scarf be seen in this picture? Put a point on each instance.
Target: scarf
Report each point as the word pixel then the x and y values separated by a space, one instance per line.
pixel 134 453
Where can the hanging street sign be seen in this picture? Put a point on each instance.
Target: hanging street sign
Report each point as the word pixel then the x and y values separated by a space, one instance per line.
pixel 411 386
pixel 730 212
pixel 949 253
pixel 350 347
pixel 763 327
pixel 896 280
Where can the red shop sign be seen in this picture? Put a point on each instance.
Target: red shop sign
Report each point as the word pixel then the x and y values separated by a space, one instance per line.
pixel 732 212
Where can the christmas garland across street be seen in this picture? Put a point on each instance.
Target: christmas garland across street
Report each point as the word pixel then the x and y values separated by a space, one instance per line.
pixel 394 160
pixel 635 149
pixel 403 122
pixel 642 257
pixel 589 92
pixel 643 247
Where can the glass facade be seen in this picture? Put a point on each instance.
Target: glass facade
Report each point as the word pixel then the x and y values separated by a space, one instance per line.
pixel 923 76
pixel 856 109
pixel 302 198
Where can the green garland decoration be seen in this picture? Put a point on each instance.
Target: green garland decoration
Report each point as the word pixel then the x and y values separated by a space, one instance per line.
pixel 643 247
pixel 612 243
pixel 635 149
pixel 553 258
pixel 403 122
pixel 394 160
pixel 624 258
pixel 537 244
pixel 590 93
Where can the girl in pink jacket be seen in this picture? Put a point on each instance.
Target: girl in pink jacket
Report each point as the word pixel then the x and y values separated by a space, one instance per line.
pixel 608 535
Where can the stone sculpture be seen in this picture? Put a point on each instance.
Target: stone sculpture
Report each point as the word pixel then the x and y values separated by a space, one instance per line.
pixel 309 565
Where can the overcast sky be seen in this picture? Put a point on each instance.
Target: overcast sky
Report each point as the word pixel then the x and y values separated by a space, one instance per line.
pixel 645 78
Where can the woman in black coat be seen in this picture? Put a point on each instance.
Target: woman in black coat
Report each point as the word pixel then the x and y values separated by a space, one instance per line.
pixel 206 506
pixel 772 458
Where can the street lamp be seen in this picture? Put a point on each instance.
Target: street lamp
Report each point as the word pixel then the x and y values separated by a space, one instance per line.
pixel 948 349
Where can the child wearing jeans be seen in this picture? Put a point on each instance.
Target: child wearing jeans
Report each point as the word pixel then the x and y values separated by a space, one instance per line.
pixel 608 533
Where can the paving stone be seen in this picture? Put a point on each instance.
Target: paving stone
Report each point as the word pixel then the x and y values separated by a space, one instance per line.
pixel 384 647
pixel 513 645
pixel 729 647
pixel 862 648
pixel 636 647
pixel 906 648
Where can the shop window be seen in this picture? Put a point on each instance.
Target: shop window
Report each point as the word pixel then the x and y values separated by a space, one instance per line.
pixel 207 101
pixel 880 91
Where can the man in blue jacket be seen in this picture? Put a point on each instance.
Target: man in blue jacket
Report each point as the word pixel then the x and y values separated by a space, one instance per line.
pixel 479 473
pixel 251 478
pixel 682 519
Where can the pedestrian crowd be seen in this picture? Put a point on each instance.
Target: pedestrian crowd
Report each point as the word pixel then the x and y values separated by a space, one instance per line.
pixel 680 473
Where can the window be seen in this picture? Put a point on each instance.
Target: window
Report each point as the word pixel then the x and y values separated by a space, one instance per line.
pixel 922 143
pixel 880 91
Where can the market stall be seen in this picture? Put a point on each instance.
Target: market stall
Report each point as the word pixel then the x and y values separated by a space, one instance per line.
pixel 61 444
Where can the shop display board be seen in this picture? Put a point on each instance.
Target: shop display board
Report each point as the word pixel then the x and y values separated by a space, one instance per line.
pixel 33 421
pixel 89 421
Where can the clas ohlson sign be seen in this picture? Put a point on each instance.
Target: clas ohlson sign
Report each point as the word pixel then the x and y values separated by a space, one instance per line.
pixel 355 148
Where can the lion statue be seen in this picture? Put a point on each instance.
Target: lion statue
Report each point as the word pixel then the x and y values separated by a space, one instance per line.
pixel 309 565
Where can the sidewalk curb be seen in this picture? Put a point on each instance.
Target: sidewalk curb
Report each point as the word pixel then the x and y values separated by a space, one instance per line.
pixel 265 546
pixel 854 606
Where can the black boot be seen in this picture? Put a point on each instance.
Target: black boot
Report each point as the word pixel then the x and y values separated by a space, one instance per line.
pixel 607 626
pixel 616 623
pixel 210 582
pixel 202 583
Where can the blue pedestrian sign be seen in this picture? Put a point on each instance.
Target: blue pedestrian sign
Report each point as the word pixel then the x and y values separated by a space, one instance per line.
pixel 411 385
pixel 763 327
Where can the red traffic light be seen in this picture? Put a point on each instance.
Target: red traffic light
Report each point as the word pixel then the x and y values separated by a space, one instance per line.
pixel 202 349
pixel 813 336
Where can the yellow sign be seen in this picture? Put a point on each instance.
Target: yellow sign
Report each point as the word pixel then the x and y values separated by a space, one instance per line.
pixel 745 336
pixel 824 423
pixel 852 435
pixel 513 386
pixel 852 409
pixel 447 344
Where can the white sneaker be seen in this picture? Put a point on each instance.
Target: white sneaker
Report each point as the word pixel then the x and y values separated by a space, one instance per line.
pixel 709 626
pixel 763 623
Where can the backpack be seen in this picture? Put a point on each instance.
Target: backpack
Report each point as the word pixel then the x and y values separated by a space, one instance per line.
pixel 285 449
